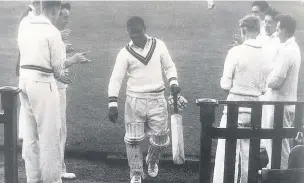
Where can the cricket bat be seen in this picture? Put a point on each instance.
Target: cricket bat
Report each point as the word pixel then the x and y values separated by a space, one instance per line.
pixel 177 135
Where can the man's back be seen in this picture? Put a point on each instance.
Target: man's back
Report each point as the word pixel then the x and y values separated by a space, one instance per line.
pixel 39 33
pixel 249 69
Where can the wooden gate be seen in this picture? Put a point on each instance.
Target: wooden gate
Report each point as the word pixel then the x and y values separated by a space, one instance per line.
pixel 8 117
pixel 231 133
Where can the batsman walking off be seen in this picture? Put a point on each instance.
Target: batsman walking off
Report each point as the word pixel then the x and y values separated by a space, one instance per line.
pixel 144 58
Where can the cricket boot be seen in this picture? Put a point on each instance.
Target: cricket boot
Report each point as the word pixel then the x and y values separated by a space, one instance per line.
pixel 152 168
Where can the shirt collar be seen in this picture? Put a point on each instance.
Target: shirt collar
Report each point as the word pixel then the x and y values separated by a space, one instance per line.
pixel 290 40
pixel 40 19
pixel 31 13
pixel 274 35
pixel 253 43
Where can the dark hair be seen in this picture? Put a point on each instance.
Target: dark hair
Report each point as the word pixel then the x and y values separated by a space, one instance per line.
pixel 66 5
pixel 262 4
pixel 288 23
pixel 273 13
pixel 135 20
pixel 50 4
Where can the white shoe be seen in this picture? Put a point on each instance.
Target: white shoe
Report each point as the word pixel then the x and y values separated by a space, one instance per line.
pixel 68 176
pixel 136 179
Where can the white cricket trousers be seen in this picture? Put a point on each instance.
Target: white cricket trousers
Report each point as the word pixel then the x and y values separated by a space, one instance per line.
pixel 20 122
pixel 268 122
pixel 242 145
pixel 63 133
pixel 41 134
pixel 242 150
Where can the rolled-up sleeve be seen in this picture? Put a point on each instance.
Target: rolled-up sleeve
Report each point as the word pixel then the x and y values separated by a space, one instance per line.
pixel 229 69
pixel 57 54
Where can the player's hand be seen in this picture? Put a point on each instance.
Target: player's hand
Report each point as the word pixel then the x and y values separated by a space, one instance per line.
pixel 113 114
pixel 83 59
pixel 80 58
pixel 175 89
pixel 65 34
pixel 64 79
pixel 211 4
pixel 66 72
pixel 237 39
pixel 69 48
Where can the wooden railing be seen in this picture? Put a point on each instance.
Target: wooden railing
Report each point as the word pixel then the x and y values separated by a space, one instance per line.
pixel 231 133
pixel 8 116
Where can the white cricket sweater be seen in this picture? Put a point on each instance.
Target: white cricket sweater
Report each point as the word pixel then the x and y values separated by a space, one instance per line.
pixel 41 50
pixel 144 68
pixel 246 69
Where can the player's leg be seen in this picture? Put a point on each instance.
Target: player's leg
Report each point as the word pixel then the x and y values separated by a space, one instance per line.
pixel 263 125
pixel 269 124
pixel 45 102
pixel 20 121
pixel 159 132
pixel 62 94
pixel 21 125
pixel 134 126
pixel 244 153
pixel 288 121
pixel 220 156
pixel 30 146
pixel 244 121
pixel 63 105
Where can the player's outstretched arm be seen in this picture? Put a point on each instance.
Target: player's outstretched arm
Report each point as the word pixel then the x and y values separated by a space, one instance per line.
pixel 77 58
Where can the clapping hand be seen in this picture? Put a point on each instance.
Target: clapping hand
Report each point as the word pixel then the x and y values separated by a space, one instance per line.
pixel 69 48
pixel 82 58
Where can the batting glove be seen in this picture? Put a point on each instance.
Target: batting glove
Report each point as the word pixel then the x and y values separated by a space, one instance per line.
pixel 181 102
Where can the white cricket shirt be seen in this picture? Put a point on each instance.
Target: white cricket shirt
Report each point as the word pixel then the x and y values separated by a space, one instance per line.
pixel 144 68
pixel 283 79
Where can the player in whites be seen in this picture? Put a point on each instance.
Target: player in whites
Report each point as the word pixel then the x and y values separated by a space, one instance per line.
pixel 144 59
pixel 41 63
pixel 259 10
pixel 244 78
pixel 76 58
pixel 33 10
pixel 283 79
pixel 271 45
